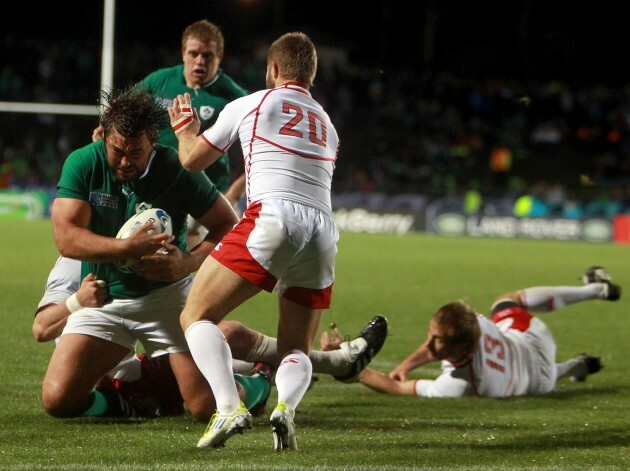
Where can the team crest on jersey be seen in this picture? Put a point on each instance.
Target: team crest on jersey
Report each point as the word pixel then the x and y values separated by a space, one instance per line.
pixel 164 102
pixel 143 206
pixel 206 112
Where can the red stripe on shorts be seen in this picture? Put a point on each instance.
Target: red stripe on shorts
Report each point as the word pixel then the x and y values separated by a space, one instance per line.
pixel 234 254
pixel 309 297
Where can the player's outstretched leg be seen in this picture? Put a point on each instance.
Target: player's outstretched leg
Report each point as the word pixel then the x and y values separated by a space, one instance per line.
pixel 364 348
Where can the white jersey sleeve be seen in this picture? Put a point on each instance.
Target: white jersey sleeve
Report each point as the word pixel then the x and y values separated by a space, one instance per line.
pixel 452 382
pixel 289 144
pixel 63 281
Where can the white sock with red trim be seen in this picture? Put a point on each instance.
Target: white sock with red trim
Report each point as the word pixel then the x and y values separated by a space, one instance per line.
pixel 293 378
pixel 552 298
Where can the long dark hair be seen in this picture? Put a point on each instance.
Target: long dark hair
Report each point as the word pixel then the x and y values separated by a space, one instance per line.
pixel 132 112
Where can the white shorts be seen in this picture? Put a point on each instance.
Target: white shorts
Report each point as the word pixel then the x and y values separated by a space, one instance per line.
pixel 152 319
pixel 196 227
pixel 543 353
pixel 286 246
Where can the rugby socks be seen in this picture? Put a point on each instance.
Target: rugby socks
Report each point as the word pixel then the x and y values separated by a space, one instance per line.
pixel 242 367
pixel 293 378
pixel 98 405
pixel 265 350
pixel 334 362
pixel 256 388
pixel 212 355
pixel 108 403
pixel 552 298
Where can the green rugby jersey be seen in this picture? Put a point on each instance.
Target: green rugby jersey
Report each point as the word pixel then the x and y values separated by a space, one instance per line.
pixel 86 176
pixel 209 100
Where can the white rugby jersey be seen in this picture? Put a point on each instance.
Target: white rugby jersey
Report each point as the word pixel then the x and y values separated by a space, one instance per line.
pixel 63 281
pixel 500 368
pixel 289 144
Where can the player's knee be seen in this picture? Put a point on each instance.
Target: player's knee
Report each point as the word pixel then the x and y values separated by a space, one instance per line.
pixel 185 320
pixel 57 404
pixel 232 330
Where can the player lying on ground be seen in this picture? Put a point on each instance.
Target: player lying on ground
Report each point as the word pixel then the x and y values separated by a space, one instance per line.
pixel 138 378
pixel 511 354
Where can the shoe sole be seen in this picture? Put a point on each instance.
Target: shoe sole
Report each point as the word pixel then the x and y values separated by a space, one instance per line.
pixel 221 443
pixel 280 432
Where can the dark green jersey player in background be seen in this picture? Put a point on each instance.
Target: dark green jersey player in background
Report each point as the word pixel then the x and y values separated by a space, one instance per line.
pixel 209 87
pixel 210 90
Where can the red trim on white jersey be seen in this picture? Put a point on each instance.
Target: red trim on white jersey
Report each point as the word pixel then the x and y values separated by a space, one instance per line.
pixel 297 86
pixel 295 152
pixel 289 144
pixel 223 151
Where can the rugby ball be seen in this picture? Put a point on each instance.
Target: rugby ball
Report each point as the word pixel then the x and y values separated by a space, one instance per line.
pixel 156 216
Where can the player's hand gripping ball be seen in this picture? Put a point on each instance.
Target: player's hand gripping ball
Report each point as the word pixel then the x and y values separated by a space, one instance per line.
pixel 156 216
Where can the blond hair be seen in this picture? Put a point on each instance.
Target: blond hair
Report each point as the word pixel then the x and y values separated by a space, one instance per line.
pixel 459 326
pixel 204 31
pixel 296 57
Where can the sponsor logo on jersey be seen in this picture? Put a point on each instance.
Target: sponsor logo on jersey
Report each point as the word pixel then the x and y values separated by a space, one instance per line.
pixel 101 199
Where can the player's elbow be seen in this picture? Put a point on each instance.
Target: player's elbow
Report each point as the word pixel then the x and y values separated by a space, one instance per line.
pixel 65 247
pixel 41 333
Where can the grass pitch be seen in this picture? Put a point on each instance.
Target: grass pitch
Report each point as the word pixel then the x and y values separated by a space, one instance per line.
pixel 348 427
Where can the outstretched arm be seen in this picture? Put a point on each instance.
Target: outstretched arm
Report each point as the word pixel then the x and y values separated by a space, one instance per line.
pixel 453 382
pixel 382 383
pixel 420 357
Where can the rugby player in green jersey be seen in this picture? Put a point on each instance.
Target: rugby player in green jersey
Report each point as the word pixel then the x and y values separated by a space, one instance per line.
pixel 210 89
pixel 101 186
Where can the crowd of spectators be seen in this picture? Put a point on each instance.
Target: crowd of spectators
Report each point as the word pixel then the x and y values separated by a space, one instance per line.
pixel 402 130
